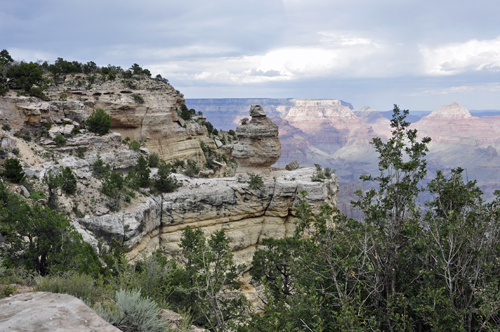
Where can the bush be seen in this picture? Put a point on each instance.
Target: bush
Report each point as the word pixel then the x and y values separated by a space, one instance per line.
pixel 231 132
pixel 6 127
pixel 185 114
pixel 255 181
pixel 13 170
pixel 154 159
pixel 68 181
pixel 99 122
pixel 163 181
pixel 77 285
pixel 136 146
pixel 179 163
pixel 36 195
pixel 209 126
pixel 320 175
pixel 60 140
pixel 99 170
pixel 134 313
pixel 192 168
pixel 16 151
pixel 138 98
pixel 26 136
pixel 3 153
pixel 244 121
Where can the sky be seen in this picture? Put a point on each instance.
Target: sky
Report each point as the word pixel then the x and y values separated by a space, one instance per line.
pixel 417 54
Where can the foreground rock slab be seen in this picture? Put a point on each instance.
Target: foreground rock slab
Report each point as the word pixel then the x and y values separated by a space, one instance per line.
pixel 41 311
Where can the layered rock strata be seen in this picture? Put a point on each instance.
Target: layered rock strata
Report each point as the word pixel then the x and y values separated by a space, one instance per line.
pixel 258 144
pixel 246 215
pixel 141 108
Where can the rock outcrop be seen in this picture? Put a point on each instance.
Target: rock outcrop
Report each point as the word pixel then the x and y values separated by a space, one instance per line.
pixel 258 144
pixel 40 311
pixel 246 215
pixel 141 109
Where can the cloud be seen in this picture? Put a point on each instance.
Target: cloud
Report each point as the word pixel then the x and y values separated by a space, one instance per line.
pixel 464 89
pixel 456 58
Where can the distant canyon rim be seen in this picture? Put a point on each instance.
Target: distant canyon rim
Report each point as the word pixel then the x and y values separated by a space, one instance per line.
pixel 334 134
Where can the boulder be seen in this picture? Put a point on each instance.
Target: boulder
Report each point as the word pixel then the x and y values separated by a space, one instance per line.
pixel 256 110
pixel 23 191
pixel 7 143
pixel 292 166
pixel 258 142
pixel 40 311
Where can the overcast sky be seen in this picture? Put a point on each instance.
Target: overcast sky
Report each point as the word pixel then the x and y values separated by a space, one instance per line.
pixel 419 54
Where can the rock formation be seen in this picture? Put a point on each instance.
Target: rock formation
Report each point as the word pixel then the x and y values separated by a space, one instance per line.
pixel 141 110
pixel 246 215
pixel 258 144
pixel 40 311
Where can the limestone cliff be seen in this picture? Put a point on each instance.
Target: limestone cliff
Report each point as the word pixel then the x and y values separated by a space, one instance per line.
pixel 141 108
pixel 246 215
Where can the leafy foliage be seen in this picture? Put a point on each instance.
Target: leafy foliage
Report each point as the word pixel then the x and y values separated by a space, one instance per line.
pixel 13 170
pixel 99 122
pixel 43 240
pixel 185 113
pixel 404 268
pixel 154 160
pixel 134 313
pixel 207 278
pixel 28 77
pixel 60 140
pixel 163 181
pixel 255 181
pixel 99 170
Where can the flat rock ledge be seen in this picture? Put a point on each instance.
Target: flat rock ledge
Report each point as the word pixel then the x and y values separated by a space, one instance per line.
pixel 41 311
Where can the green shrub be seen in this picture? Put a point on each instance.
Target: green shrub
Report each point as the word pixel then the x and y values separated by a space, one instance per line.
pixel 179 163
pixel 136 146
pixel 16 151
pixel 47 125
pixel 99 122
pixel 13 170
pixel 134 313
pixel 99 170
pixel 320 175
pixel 26 136
pixel 209 126
pixel 60 140
pixel 244 121
pixel 185 113
pixel 6 127
pixel 255 181
pixel 68 181
pixel 3 153
pixel 138 98
pixel 154 160
pixel 78 285
pixel 36 195
pixel 163 181
pixel 192 168
pixel 231 132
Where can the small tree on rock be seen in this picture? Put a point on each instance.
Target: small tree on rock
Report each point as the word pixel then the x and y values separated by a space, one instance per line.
pixel 99 122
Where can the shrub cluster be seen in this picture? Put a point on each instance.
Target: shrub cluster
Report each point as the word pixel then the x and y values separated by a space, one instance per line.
pixel 98 122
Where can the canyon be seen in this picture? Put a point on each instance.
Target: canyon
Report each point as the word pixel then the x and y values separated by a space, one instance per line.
pixel 334 134
pixel 152 221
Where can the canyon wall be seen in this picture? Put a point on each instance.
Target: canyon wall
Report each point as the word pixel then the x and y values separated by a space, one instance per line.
pixel 247 215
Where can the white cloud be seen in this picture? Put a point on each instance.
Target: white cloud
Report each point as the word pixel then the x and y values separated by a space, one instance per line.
pixel 464 89
pixel 456 58
pixel 332 55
